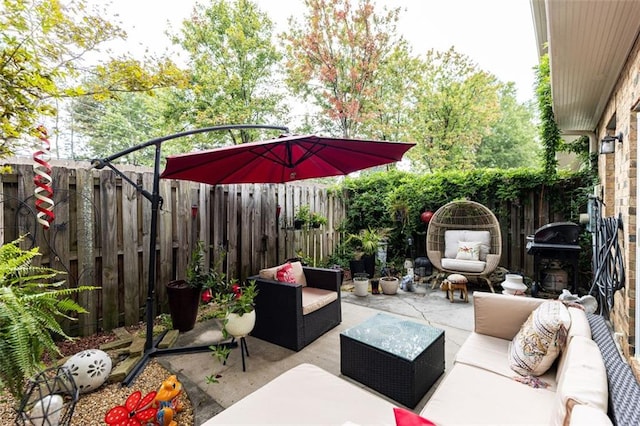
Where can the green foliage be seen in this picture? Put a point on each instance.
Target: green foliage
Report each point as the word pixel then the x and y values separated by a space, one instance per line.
pixel 373 196
pixel 367 240
pixel 40 62
pixel 303 214
pixel 31 302
pixel 512 140
pixel 233 68
pixel 456 105
pixel 333 57
pixel 549 131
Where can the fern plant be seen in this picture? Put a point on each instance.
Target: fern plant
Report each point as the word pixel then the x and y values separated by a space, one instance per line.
pixel 31 302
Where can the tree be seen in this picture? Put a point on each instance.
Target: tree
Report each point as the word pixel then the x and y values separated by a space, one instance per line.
pixel 396 92
pixel 334 56
pixel 43 45
pixel 512 141
pixel 233 67
pixel 112 125
pixel 456 105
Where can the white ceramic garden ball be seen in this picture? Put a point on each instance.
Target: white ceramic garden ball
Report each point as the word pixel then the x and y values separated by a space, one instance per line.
pixel 89 368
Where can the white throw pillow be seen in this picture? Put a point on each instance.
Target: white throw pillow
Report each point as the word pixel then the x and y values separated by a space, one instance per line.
pixel 468 250
pixel 540 339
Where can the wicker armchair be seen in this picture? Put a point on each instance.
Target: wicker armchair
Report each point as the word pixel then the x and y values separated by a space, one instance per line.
pixel 279 309
pixel 470 217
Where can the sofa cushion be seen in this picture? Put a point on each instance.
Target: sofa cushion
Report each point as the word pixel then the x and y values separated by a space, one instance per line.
pixel 491 354
pixel 307 394
pixel 298 273
pixel 540 339
pixel 452 237
pixel 468 250
pixel 579 324
pixel 463 265
pixel 473 396
pixel 315 298
pixel 582 379
pixel 585 415
pixel 491 309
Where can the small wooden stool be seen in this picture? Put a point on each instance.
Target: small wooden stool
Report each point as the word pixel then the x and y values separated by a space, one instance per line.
pixel 455 282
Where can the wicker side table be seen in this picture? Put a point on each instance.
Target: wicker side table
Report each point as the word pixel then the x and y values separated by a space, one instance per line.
pixel 398 358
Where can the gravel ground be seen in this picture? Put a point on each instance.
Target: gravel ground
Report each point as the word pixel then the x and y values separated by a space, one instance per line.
pixel 92 407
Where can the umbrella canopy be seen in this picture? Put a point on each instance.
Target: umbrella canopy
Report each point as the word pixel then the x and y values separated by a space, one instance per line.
pixel 282 160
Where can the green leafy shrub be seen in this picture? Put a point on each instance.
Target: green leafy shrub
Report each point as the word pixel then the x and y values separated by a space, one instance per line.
pixel 31 302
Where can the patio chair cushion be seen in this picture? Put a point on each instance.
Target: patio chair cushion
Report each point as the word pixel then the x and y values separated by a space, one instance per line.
pixel 298 273
pixel 453 237
pixel 463 265
pixel 540 339
pixel 315 298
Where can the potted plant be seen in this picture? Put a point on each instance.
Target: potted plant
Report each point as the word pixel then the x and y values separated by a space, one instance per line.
pixel 366 243
pixel 235 307
pixel 316 220
pixel 389 282
pixel 302 216
pixel 184 295
pixel 361 284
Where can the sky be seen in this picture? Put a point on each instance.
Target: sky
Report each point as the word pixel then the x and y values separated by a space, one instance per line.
pixel 496 34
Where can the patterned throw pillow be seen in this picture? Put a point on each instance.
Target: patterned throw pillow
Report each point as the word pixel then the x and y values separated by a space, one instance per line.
pixel 285 274
pixel 468 250
pixel 540 339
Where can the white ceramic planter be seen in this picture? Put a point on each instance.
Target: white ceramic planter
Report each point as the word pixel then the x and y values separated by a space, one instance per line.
pixel 240 326
pixel 513 285
pixel 389 286
pixel 361 287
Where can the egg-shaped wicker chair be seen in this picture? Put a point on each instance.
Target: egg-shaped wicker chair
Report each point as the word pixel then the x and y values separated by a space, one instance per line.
pixel 464 221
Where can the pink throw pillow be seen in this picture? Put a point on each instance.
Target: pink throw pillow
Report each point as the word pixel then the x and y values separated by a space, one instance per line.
pixel 408 418
pixel 285 274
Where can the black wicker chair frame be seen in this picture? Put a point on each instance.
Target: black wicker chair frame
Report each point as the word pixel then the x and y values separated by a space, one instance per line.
pixel 279 318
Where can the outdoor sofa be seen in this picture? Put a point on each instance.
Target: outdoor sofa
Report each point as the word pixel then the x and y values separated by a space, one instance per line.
pixel 584 387
pixel 294 314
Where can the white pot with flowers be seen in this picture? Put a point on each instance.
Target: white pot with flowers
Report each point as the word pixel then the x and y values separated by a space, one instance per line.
pixel 236 308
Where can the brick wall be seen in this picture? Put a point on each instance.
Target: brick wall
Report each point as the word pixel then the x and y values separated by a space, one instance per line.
pixel 618 175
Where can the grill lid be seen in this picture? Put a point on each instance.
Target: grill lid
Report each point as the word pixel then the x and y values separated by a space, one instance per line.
pixel 557 233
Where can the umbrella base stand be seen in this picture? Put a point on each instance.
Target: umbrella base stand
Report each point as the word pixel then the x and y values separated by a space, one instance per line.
pixel 155 351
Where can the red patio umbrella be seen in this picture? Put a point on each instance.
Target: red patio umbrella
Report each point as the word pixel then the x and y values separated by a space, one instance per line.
pixel 283 159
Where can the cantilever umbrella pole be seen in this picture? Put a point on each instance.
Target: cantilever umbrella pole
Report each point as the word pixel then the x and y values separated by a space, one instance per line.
pixel 156 202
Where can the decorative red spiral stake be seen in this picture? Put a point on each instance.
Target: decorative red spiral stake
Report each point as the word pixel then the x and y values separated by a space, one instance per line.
pixel 42 180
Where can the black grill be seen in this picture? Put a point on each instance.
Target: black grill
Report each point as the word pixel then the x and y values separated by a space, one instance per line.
pixel 555 241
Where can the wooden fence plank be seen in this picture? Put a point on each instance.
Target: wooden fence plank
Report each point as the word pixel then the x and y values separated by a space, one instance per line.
pixel 165 247
pixel 247 229
pixel 218 227
pixel 145 229
pixel 232 231
pixel 109 250
pixel 271 228
pixel 258 236
pixel 86 220
pixel 131 278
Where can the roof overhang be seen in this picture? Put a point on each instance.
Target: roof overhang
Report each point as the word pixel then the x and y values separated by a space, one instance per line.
pixel 588 42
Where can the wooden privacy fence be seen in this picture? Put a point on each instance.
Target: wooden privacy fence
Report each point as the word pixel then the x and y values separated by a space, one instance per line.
pixel 100 235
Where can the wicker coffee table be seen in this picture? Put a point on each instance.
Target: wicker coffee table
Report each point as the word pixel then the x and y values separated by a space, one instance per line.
pixel 399 358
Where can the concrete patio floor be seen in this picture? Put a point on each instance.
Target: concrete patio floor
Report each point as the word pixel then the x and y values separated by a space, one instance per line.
pixel 267 361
